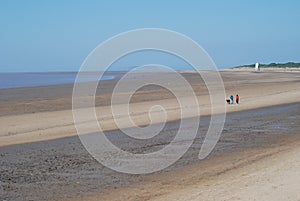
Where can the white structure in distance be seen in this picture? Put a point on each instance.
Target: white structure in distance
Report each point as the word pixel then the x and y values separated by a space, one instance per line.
pixel 257 68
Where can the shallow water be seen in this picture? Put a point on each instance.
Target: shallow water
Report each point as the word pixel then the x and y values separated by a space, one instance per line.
pixel 16 80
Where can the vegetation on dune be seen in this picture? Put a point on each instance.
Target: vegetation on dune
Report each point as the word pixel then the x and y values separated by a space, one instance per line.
pixel 273 65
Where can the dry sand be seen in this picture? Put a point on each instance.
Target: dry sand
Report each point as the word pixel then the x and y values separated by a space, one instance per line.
pixel 43 159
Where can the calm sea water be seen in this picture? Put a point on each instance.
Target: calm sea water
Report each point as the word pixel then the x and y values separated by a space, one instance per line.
pixel 15 80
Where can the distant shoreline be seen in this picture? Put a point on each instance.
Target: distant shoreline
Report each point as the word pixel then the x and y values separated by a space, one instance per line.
pixel 22 80
pixel 11 80
pixel 262 69
pixel 289 65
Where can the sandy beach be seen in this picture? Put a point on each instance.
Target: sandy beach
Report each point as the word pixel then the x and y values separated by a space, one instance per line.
pixel 256 158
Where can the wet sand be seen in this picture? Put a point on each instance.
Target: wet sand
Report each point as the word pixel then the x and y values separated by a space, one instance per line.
pixel 45 160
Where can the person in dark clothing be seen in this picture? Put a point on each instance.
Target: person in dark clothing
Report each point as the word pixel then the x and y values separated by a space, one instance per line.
pixel 237 99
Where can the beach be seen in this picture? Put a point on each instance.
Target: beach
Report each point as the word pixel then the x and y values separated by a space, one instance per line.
pixel 256 158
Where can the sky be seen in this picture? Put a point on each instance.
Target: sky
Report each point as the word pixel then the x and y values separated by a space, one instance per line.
pixel 57 35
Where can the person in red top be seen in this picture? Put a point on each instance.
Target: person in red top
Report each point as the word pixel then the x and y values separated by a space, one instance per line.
pixel 237 99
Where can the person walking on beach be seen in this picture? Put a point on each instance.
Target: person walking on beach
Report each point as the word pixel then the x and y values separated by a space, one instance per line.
pixel 237 99
pixel 231 99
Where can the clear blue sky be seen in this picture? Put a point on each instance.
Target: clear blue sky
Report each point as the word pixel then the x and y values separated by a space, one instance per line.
pixel 58 35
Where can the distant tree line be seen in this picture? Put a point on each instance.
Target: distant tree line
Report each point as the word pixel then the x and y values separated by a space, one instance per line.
pixel 274 65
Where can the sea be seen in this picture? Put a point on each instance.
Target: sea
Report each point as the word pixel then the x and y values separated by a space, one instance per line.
pixel 16 80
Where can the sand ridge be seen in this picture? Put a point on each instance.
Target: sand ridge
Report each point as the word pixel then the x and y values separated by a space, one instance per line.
pixel 255 89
